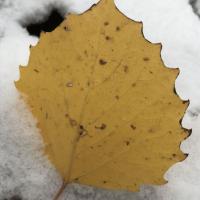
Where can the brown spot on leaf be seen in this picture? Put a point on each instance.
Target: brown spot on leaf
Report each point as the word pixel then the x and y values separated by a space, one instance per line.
pixel 102 62
pixel 146 59
pixel 82 130
pixel 35 70
pixel 86 53
pixel 118 28
pixel 66 28
pixel 107 38
pixel 117 97
pixel 125 68
pixel 102 127
pixel 88 83
pixel 133 84
pixel 150 130
pixel 132 126
pixel 127 143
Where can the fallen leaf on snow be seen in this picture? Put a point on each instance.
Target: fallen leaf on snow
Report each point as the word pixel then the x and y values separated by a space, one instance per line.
pixel 104 101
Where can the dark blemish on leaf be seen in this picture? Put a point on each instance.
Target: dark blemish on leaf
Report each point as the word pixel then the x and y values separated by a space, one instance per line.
pixel 76 179
pixel 69 84
pixel 133 84
pixel 132 126
pixel 102 62
pixel 117 97
pixel 117 28
pixel 82 130
pixel 169 103
pixel 88 83
pixel 150 72
pixel 146 59
pixel 127 143
pixel 125 68
pixel 174 155
pixel 146 158
pixel 104 182
pixel 86 53
pixel 91 147
pixel 102 127
pixel 66 28
pixel 150 130
pixel 106 23
pixel 107 38
pixel 35 70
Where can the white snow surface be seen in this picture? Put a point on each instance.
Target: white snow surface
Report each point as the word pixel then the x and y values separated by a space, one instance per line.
pixel 24 169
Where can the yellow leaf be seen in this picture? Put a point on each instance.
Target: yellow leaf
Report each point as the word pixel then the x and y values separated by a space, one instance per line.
pixel 104 101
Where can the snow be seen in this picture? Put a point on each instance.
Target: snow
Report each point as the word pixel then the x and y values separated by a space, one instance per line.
pixel 24 169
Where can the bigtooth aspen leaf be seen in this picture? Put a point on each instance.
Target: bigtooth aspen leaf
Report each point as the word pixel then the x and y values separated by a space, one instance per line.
pixel 104 101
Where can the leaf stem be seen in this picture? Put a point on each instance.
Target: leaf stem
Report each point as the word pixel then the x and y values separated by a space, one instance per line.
pixel 60 191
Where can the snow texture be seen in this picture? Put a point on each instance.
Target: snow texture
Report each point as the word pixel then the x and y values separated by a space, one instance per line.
pixel 195 6
pixel 24 169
